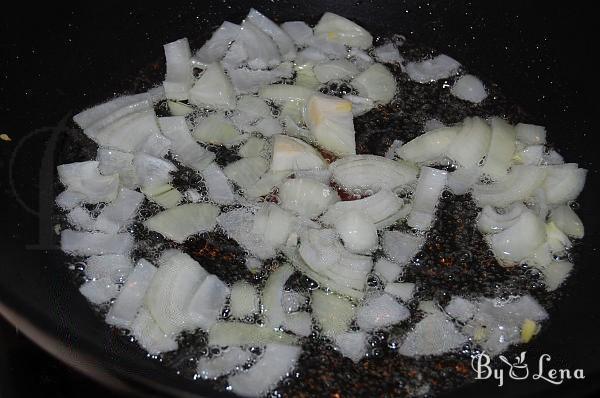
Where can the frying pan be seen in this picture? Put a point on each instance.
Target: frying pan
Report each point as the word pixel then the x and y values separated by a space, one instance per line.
pixel 57 61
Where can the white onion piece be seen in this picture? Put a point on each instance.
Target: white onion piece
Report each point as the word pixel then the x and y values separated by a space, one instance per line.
pixel 67 200
pixel 131 297
pixel 358 232
pixel 113 266
pixel 305 197
pixel 372 172
pixel 557 240
pixel 149 335
pixel 218 186
pixel 519 240
pixel 120 212
pixel 433 335
pixel 381 311
pixel 112 161
pixel 471 143
pixel 403 290
pixel 206 305
pixel 541 257
pixel 253 264
pixel 337 285
pixel 238 225
pixel 254 47
pixel 81 219
pixel 152 171
pixel 246 171
pixel 276 361
pixel 293 154
pixel 428 146
pixel 463 179
pixel 247 80
pixel 272 298
pixel 169 294
pixel 388 53
pixel 382 207
pixel 213 89
pixel 254 107
pixel 228 361
pixel 165 195
pixel 567 221
pixel 95 243
pixel 299 31
pixel 305 76
pixel 352 345
pixel 469 88
pixel 179 78
pixel 429 70
pixel 312 55
pixel 214 49
pixel 280 37
pixel 332 312
pixel 518 185
pixel 489 221
pixel 430 185
pixel 556 273
pixel 433 124
pixel 183 146
pixel 273 225
pixel 282 93
pixel 531 134
pixel 84 178
pixel 266 184
pixel 216 129
pixel 530 155
pixel 239 334
pixel 321 175
pixel 332 70
pixel 376 83
pixel 360 59
pixel 330 122
pixel 387 270
pixel 99 291
pixel 299 323
pixel 401 247
pixel 552 157
pixel 267 127
pixel 292 301
pixel 501 149
pixel 244 300
pixel 360 105
pixel 330 49
pixel 460 309
pixel 563 183
pixel 178 223
pixel 338 29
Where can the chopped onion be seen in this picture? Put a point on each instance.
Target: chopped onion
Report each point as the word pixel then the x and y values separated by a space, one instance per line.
pixel 324 281
pixel 401 247
pixel 404 291
pixel 461 309
pixel 247 80
pixel 120 212
pixel 305 76
pixel 99 291
pixel 360 105
pixel 530 155
pixel 266 184
pixel 372 172
pixel 490 221
pixel 306 197
pixel 358 232
pixel 215 129
pixel 331 123
pixel 213 89
pixel 112 161
pixel 433 335
pixel 152 171
pixel 433 124
pixel 518 185
pixel 292 301
pixel 131 297
pixel 280 37
pixel 552 157
pixel 207 303
pixel 246 171
pixel 352 345
pixel 273 225
pixel 312 55
pixel 95 243
pixel 380 311
pixel 228 361
pixel 178 223
pixel 218 186
pixel 519 240
pixel 254 47
pixel 556 239
pixel 430 70
pixel 430 185
pixel 81 219
pixel 282 93
pixel 238 225
pixel 253 264
pixel 267 127
pixel 67 200
pixel 115 267
pixel 184 147
pixel 376 83
pixel 469 88
pixel 556 273
pixel 329 49
pixel 299 31
pixel 360 58
pixel 214 49
pixel 563 183
pixel 274 313
pixel 333 70
pixel 276 361
pixel 338 29
pixel 471 143
pixel 332 312
pixel 387 270
pixel 429 146
pixel 84 178
pixel 165 195
pixel 227 334
pixel 531 134
pixel 150 336
pixel 567 221
pixel 293 154
pixel 244 300
pixel 179 78
pixel 501 149
pixel 388 53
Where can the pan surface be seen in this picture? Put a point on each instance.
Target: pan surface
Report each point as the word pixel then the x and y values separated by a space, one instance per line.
pixel 53 67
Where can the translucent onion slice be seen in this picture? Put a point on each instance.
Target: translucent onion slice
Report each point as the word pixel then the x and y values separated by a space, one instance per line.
pixel 518 185
pixel 293 154
pixel 461 309
pixel 305 76
pixel 360 105
pixel 462 180
pixel 247 80
pixel 501 149
pixel 430 185
pixel 433 335
pixel 244 300
pixel 358 232
pixel 276 361
pixel 214 49
pixel 218 186
pixel 226 362
pixel 213 89
pixel 99 291
pixel 266 184
pixel 183 146
pixel 152 171
pixel 81 219
pixel 67 200
pixel 380 311
pixel 401 247
pixel 489 221
pixel 352 345
pixel 389 271
pixel 280 37
pixel 299 31
pixel 273 311
pixel 165 195
pixel 178 223
pixel 85 178
pixel 254 147
pixel 112 161
pixel 306 197
pixel 95 243
pixel 116 267
pixel 376 83
pixel 469 88
pixel 254 47
pixel 428 146
pixel 563 183
pixel 216 129
pixel 338 29
pixel 238 225
pixel 388 53
pixel 430 70
pixel 179 78
pixel 150 336
pixel 207 303
pixel 247 171
pixel 238 334
pixel 273 225
pixel 372 172
pixel 471 143
pixel 331 123
pixel 556 273
pixel 532 155
pixel 282 93
pixel 120 212
pixel 403 290
pixel 519 240
pixel 131 297
pixel 336 69
pixel 567 221
pixel 531 134
pixel 332 312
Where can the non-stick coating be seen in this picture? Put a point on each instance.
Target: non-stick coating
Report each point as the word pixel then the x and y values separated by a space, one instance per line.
pixel 57 61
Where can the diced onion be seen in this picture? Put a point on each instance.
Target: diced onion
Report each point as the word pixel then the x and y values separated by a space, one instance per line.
pixel 214 49
pixel 403 290
pixel 469 88
pixel 352 345
pixel 244 300
pixel 429 146
pixel 401 247
pixel 238 334
pixel 213 89
pixel 429 70
pixel 85 178
pixel 563 183
pixel 293 154
pixel 331 123
pixel 388 53
pixel 332 312
pixel 531 134
pixel 246 171
pixel 389 271
pixel 215 129
pixel 490 221
pixel 433 335
pixel 332 70
pixel 115 267
pixel 149 335
pixel 299 31
pixel 280 37
pixel 430 185
pixel 184 147
pixel 228 361
pixel 381 311
pixel 471 143
pixel 358 232
pixel 99 291
pixel 567 221
pixel 179 78
pixel 95 243
pixel 519 240
pixel 207 303
pixel 518 185
pixel 376 83
pixel 501 149
pixel 218 186
pixel 306 197
pixel 178 223
pixel 120 212
pixel 338 29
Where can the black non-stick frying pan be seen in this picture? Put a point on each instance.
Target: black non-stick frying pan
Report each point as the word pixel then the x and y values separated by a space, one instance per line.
pixel 59 60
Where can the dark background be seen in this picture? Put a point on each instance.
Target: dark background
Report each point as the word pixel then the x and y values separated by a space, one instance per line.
pixel 56 60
